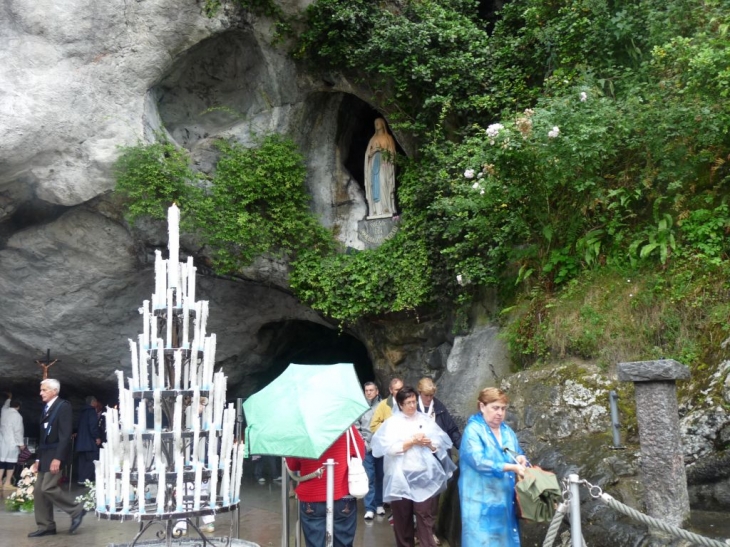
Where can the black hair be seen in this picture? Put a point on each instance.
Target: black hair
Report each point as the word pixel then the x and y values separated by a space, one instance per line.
pixel 405 393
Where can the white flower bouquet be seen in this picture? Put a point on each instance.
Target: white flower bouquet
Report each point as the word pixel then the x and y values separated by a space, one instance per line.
pixel 89 498
pixel 22 498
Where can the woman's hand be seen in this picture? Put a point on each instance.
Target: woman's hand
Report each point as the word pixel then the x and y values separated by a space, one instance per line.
pixel 522 460
pixel 515 468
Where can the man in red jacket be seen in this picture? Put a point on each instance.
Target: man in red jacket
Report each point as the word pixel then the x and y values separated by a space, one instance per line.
pixel 312 494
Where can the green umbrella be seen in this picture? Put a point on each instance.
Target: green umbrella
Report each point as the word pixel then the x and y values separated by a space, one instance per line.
pixel 303 411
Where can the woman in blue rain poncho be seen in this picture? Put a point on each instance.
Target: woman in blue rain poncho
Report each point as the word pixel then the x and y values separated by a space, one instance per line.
pixel 416 468
pixel 487 480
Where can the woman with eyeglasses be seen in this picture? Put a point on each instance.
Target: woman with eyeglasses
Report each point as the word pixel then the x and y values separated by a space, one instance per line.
pixel 416 468
pixel 488 470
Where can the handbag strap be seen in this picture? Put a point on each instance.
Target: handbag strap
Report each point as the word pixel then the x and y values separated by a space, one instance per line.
pixel 354 443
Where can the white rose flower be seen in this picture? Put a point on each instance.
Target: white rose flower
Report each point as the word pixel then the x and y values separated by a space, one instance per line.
pixel 493 130
pixel 583 96
pixel 469 173
pixel 554 132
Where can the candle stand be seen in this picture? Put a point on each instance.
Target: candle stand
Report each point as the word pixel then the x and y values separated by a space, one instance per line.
pixel 171 455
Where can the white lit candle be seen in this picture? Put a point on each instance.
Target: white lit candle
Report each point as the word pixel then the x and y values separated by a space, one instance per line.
pixel 160 281
pixel 213 482
pixel 225 483
pixel 180 486
pixel 173 224
pixel 198 485
pixel 169 319
pixel 135 366
pixel 125 485
pixel 141 469
pixel 142 416
pixel 99 483
pixel 145 324
pixel 161 488
pixel 142 355
pixel 177 424
pixel 160 365
pixel 156 398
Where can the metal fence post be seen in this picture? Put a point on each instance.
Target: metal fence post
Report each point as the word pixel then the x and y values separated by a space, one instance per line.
pixel 616 426
pixel 576 534
pixel 329 535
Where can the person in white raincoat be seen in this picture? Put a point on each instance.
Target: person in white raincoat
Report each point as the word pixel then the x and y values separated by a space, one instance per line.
pixel 416 468
pixel 11 440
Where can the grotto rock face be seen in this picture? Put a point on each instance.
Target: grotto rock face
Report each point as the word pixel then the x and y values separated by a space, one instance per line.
pixel 80 80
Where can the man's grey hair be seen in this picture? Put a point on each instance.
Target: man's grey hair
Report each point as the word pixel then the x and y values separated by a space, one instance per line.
pixel 52 383
pixel 368 384
pixel 90 400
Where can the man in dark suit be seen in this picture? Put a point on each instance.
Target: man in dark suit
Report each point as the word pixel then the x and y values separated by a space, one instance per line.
pixel 53 450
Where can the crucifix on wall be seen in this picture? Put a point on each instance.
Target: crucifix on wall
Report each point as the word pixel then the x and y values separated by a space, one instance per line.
pixel 45 365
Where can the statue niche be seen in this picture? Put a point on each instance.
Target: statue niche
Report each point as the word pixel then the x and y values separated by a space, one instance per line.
pixel 380 173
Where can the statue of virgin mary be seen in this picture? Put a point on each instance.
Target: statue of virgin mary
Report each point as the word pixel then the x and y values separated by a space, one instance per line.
pixel 380 172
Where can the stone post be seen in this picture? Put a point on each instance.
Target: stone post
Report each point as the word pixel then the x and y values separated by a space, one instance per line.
pixel 662 459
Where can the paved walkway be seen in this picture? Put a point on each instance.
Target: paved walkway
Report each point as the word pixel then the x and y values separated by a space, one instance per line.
pixel 260 523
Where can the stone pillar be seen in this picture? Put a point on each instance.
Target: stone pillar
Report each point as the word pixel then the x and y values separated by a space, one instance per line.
pixel 662 459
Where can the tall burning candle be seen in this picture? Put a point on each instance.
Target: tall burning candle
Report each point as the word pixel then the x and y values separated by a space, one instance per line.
pixel 141 470
pixel 182 286
pixel 180 485
pixel 142 416
pixel 177 423
pixel 135 366
pixel 157 402
pixel 234 474
pixel 198 485
pixel 178 369
pixel 142 361
pixel 168 338
pixel 195 420
pixel 160 281
pixel 126 470
pixel 160 365
pixel 191 280
pixel 145 324
pixel 173 224
pixel 111 485
pixel 157 447
pixel 226 482
pixel 213 482
pixel 203 319
pixel 237 485
pixel 186 373
pixel 161 488
pixel 99 484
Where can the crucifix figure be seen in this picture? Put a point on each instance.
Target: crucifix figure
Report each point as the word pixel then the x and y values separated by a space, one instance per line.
pixel 45 365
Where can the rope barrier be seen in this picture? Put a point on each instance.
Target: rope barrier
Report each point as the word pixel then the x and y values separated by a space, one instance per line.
pixel 555 525
pixel 597 493
pixel 663 526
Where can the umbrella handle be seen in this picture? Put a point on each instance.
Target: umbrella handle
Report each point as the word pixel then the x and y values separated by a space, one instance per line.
pixel 511 454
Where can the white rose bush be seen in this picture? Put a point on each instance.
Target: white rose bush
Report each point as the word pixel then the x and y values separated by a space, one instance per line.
pixel 22 498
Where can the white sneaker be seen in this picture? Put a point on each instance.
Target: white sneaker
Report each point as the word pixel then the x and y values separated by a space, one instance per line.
pixel 380 510
pixel 262 480
pixel 369 515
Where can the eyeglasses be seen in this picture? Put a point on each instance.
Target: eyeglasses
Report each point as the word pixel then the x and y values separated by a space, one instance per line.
pixel 410 403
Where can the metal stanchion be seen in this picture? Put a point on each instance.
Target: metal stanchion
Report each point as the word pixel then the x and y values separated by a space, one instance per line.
pixel 285 504
pixel 576 534
pixel 616 426
pixel 329 535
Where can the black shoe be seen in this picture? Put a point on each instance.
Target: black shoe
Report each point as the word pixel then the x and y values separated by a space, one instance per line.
pixel 76 521
pixel 38 533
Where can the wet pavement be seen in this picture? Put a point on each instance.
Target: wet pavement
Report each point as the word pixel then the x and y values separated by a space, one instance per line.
pixel 260 522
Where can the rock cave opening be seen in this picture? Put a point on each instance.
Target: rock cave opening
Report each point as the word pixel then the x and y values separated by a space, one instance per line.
pixel 307 343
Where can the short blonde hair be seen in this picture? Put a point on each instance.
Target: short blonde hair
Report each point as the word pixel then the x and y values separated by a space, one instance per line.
pixel 426 386
pixel 490 395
